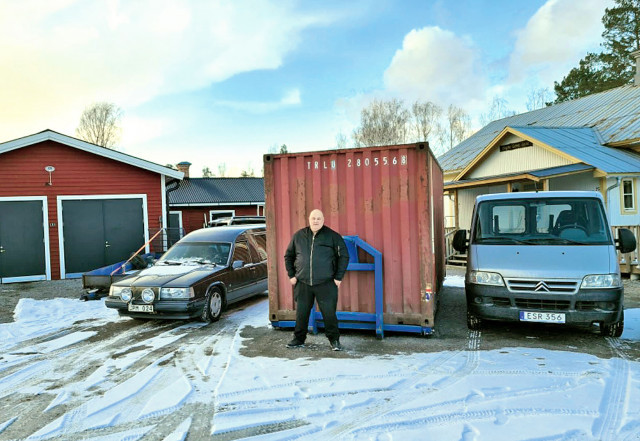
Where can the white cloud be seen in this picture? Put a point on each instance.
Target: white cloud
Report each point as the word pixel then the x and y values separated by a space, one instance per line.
pixel 436 65
pixel 290 98
pixel 556 37
pixel 59 56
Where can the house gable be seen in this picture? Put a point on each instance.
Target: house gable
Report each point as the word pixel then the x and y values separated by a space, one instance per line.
pixel 50 135
pixel 513 151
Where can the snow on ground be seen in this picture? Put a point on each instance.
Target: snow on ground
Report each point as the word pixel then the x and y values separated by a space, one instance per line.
pixel 508 394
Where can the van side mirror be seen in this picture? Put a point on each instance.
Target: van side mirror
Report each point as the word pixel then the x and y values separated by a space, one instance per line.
pixel 237 264
pixel 460 241
pixel 626 241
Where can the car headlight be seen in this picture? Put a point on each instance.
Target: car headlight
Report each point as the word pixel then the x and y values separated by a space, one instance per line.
pixel 176 293
pixel 601 281
pixel 148 296
pixel 124 292
pixel 485 278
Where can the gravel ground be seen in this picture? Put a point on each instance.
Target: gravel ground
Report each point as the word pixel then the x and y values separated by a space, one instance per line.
pixel 11 293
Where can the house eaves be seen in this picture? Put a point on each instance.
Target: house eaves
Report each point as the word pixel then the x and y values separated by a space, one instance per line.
pixel 50 135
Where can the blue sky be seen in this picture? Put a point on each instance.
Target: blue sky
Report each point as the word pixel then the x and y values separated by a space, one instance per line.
pixel 214 82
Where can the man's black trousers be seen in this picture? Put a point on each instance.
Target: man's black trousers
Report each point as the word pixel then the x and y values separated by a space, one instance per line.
pixel 326 294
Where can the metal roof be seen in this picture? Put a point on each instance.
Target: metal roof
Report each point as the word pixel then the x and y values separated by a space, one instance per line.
pixel 614 113
pixel 217 191
pixel 584 144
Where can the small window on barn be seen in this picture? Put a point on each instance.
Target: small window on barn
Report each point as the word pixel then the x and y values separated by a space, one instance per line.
pixel 628 195
pixel 217 214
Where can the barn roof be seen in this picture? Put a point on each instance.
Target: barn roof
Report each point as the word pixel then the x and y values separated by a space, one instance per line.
pixel 50 135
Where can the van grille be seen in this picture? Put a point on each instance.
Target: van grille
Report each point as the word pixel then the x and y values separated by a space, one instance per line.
pixel 543 286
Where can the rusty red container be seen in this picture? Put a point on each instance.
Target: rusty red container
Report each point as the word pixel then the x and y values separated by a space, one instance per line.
pixel 390 197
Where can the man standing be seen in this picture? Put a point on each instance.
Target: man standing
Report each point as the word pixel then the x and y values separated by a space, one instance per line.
pixel 316 260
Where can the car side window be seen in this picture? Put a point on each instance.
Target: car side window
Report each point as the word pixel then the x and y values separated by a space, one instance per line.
pixel 260 244
pixel 241 251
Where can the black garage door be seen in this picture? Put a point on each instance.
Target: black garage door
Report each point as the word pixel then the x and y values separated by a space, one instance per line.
pixel 22 247
pixel 100 232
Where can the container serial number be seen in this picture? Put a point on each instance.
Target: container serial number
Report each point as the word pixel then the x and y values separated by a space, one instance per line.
pixel 360 162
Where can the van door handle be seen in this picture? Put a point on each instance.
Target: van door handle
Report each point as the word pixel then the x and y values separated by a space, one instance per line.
pixel 106 244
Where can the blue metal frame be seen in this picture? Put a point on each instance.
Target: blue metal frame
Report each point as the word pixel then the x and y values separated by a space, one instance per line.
pixel 361 320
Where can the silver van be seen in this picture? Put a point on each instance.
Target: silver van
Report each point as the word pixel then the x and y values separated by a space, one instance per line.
pixel 545 257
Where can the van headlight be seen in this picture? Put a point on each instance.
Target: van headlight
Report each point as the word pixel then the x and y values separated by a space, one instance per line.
pixel 124 292
pixel 485 278
pixel 601 281
pixel 176 293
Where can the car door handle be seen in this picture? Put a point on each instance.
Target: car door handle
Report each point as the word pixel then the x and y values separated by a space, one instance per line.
pixel 106 244
pixel 2 250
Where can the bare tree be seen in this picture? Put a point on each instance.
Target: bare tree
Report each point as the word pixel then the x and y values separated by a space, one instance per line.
pixel 539 98
pixel 456 129
pixel 222 169
pixel 425 116
pixel 99 124
pixel 207 173
pixel 341 141
pixel 498 110
pixel 382 123
pixel 248 172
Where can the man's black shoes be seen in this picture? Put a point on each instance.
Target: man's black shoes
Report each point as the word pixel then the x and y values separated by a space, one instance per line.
pixel 335 345
pixel 295 344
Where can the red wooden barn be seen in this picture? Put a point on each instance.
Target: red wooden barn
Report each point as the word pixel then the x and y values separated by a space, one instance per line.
pixel 68 206
pixel 195 202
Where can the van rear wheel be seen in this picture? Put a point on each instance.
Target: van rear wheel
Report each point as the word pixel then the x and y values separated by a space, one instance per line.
pixel 614 329
pixel 473 322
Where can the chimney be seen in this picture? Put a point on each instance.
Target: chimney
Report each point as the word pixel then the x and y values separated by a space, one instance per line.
pixel 636 79
pixel 184 168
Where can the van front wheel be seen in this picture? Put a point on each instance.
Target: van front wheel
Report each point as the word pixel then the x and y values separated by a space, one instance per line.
pixel 614 329
pixel 473 322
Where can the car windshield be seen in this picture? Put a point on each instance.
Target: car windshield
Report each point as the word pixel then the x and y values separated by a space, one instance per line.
pixel 197 252
pixel 545 221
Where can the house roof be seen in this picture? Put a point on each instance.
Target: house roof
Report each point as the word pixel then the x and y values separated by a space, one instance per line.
pixel 614 113
pixel 50 135
pixel 218 191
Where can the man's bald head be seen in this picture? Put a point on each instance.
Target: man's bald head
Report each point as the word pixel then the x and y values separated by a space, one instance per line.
pixel 316 220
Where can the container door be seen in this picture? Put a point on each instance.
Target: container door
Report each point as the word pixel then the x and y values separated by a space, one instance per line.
pixel 22 244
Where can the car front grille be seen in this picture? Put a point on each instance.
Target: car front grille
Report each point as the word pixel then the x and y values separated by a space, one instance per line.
pixel 543 305
pixel 538 286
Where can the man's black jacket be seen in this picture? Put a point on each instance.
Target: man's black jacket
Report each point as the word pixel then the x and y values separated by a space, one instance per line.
pixel 315 260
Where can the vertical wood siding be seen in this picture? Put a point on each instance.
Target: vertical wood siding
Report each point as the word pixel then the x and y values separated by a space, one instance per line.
pixel 193 218
pixel 76 173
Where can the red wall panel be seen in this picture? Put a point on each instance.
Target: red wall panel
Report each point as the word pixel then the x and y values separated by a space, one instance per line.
pixel 77 172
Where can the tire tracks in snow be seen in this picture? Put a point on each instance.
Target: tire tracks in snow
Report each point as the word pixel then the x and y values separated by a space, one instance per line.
pixel 613 405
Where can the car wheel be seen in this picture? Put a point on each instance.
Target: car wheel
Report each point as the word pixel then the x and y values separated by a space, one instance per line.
pixel 473 322
pixel 213 306
pixel 614 329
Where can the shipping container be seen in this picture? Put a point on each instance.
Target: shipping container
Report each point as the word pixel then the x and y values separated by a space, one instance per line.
pixel 388 197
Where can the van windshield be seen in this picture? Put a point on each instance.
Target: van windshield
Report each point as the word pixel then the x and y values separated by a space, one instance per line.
pixel 544 221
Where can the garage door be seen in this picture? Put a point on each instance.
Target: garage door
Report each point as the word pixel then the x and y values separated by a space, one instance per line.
pixel 100 232
pixel 22 241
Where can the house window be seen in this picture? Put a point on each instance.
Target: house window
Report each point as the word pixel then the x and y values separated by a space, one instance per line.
pixel 217 214
pixel 628 195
